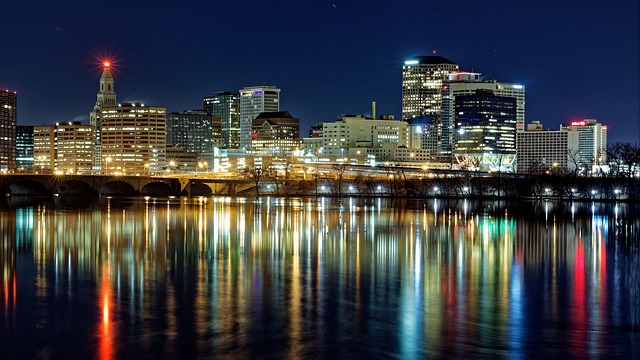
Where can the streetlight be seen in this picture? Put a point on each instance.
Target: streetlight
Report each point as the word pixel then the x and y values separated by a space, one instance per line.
pixel 146 168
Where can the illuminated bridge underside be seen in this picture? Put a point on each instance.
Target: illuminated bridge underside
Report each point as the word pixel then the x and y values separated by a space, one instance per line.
pixel 486 162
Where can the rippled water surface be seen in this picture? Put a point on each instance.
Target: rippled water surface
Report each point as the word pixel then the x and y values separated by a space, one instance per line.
pixel 307 278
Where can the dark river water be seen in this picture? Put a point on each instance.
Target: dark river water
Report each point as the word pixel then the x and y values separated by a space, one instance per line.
pixel 303 278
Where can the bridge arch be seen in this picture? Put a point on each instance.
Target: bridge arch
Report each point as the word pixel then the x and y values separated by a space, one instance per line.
pixel 74 187
pixel 157 188
pixel 27 187
pixel 118 188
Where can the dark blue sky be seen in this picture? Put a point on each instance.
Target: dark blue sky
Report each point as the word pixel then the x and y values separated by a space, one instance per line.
pixel 577 59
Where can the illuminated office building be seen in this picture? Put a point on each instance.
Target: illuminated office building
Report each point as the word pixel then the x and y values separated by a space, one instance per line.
pixel 485 131
pixel 253 101
pixel 592 143
pixel 226 106
pixel 275 133
pixel 466 83
pixel 355 131
pixel 44 148
pixel 422 79
pixel 24 148
pixel 8 120
pixel 66 148
pixel 195 131
pixel 133 138
pixel 539 150
pixel 74 145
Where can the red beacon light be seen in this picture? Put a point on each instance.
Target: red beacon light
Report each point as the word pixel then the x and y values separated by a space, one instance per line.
pixel 106 64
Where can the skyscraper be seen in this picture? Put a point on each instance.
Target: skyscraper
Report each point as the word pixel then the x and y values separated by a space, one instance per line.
pixel 134 138
pixel 226 106
pixel 193 131
pixel 106 97
pixel 422 78
pixel 592 143
pixel 24 148
pixel 485 131
pixel 466 83
pixel 8 119
pixel 253 101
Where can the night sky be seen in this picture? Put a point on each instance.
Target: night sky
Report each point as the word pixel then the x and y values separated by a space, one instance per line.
pixel 577 58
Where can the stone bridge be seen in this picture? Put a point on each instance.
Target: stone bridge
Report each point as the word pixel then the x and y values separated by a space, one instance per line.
pixel 109 185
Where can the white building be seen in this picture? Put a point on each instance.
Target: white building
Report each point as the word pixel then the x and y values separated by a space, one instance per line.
pixel 539 150
pixel 592 143
pixel 355 131
pixel 253 101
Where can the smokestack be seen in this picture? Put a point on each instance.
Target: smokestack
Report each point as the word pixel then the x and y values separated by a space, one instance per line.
pixel 373 110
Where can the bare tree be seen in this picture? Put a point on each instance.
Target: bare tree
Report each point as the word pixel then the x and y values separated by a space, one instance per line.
pixel 254 174
pixel 339 170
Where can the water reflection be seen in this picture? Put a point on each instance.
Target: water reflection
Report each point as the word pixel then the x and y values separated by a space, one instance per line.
pixel 303 278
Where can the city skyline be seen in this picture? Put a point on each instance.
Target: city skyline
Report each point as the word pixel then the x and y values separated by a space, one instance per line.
pixel 328 58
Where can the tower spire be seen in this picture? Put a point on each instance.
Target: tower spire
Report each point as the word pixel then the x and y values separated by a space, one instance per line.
pixel 106 97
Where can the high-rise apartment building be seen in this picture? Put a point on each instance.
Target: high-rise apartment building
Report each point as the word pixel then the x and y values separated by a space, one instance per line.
pixel 133 138
pixel 539 150
pixel 193 131
pixel 253 101
pixel 275 133
pixel 422 79
pixel 24 147
pixel 226 106
pixel 485 131
pixel 106 97
pixel 466 83
pixel 592 143
pixel 8 120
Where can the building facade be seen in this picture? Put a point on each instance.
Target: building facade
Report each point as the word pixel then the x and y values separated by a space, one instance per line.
pixel 422 78
pixel 253 101
pixel 8 123
pixel 275 133
pixel 226 106
pixel 466 83
pixel 592 144
pixel 485 132
pixel 66 148
pixel 44 148
pixel 540 151
pixel 195 131
pixel 133 139
pixel 355 131
pixel 24 148
pixel 74 148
